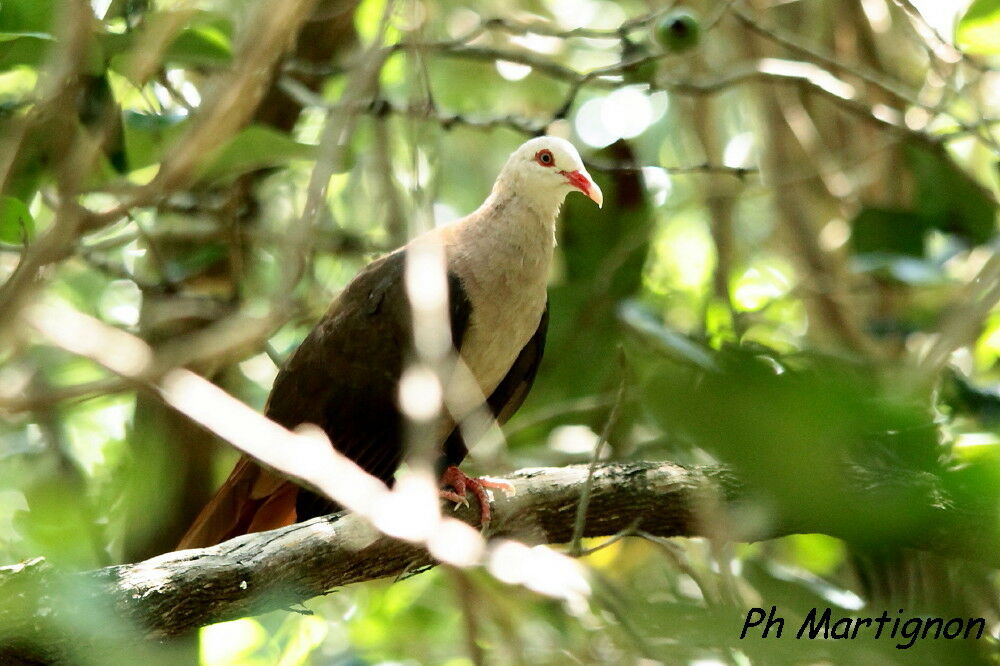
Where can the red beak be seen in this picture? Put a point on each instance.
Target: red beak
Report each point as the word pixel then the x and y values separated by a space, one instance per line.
pixel 581 180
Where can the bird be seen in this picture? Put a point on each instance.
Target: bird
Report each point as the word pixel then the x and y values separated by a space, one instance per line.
pixel 345 375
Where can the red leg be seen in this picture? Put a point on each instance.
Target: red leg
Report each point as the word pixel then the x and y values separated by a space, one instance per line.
pixel 458 480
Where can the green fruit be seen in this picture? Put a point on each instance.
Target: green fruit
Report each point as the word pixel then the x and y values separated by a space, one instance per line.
pixel 677 31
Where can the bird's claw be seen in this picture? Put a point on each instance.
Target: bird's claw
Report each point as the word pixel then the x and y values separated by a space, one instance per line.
pixel 458 480
pixel 459 500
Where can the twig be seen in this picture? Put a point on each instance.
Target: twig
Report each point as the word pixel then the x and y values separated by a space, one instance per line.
pixel 788 41
pixel 537 28
pixel 581 509
pixel 588 403
pixel 972 306
pixel 466 594
pixel 943 49
pixel 610 541
pixel 869 76
pixel 531 127
pixel 706 168
pixel 680 560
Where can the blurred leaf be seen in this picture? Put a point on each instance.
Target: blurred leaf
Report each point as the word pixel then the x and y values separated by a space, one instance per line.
pixel 23 48
pixel 772 416
pixel 204 43
pixel 26 15
pixel 200 46
pixel 11 36
pixel 195 261
pixel 673 344
pixel 978 32
pixel 640 72
pixel 805 580
pixel 817 553
pixel 950 199
pixel 231 643
pixel 147 134
pixel 16 223
pixel 886 230
pixel 56 523
pixel 256 147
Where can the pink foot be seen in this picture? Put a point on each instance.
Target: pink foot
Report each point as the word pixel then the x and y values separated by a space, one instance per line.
pixel 458 480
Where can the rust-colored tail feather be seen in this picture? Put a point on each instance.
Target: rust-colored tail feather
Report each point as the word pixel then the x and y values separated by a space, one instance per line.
pixel 251 500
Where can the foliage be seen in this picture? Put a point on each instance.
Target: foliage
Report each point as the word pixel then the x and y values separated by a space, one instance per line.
pixel 800 217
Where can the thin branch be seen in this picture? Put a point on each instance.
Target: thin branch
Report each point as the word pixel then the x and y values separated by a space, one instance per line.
pixel 470 603
pixel 868 75
pixel 940 47
pixel 703 168
pixel 581 509
pixel 548 30
pixel 789 41
pixel 682 563
pixel 532 127
pixel 610 541
pixel 970 309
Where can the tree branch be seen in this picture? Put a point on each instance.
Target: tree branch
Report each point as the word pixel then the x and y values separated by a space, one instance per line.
pixel 180 591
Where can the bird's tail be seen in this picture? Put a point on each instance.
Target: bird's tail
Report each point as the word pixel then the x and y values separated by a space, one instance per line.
pixel 251 500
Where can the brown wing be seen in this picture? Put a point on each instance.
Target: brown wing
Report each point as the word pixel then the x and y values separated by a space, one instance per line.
pixel 343 377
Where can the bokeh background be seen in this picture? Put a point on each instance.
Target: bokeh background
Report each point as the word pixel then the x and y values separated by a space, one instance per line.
pixel 794 274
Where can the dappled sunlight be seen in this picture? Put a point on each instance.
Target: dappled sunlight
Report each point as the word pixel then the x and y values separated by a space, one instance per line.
pixel 543 570
pixel 120 352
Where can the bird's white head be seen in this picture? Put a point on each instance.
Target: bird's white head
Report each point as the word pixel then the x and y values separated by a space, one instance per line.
pixel 546 169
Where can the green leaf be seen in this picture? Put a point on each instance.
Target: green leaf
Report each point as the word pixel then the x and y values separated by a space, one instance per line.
pixel 674 345
pixel 26 15
pixel 196 261
pixel 771 417
pixel 11 36
pixel 16 223
pixel 205 43
pixel 978 32
pixel 199 46
pixel 949 198
pixel 256 147
pixel 23 48
pixel 889 231
pixel 146 135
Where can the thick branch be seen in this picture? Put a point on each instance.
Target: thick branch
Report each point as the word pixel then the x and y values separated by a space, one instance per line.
pixel 179 591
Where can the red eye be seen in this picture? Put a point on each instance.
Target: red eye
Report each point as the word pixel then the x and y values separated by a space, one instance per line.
pixel 544 157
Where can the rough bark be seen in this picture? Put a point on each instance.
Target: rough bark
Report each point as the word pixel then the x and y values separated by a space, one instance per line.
pixel 180 591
